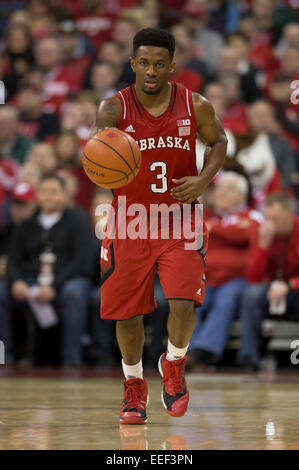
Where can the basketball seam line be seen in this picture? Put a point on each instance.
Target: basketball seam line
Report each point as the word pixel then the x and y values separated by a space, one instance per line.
pixel 107 145
pixel 102 166
pixel 132 150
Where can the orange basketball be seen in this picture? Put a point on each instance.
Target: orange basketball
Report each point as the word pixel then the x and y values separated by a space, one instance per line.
pixel 111 158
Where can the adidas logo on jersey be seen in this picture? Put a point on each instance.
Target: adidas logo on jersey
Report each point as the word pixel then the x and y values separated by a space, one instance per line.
pixel 130 128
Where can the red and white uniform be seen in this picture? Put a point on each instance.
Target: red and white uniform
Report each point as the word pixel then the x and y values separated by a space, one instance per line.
pixel 128 266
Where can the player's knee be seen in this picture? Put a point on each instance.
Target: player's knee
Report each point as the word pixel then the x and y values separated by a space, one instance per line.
pixel 130 323
pixel 182 307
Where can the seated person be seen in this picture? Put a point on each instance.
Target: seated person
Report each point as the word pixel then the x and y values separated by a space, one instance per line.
pixel 49 263
pixel 230 225
pixel 273 273
pixel 22 206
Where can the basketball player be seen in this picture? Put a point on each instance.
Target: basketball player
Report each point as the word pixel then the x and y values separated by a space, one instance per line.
pixel 164 118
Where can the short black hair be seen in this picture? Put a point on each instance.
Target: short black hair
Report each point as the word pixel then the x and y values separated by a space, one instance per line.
pixel 53 176
pixel 154 37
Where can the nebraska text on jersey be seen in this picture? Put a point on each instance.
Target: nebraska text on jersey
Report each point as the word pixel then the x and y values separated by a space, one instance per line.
pixel 166 142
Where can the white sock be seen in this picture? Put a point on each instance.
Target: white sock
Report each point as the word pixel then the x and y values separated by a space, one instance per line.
pixel 133 372
pixel 174 353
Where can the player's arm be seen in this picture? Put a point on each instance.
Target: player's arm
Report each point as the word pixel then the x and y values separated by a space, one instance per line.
pixel 109 114
pixel 210 132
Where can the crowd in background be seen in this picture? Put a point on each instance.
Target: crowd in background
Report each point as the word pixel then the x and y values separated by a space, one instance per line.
pixel 58 60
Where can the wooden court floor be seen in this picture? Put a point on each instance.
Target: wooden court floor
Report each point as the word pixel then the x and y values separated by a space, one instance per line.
pixel 225 412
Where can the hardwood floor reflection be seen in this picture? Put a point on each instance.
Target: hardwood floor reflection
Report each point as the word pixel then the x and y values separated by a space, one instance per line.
pixel 225 412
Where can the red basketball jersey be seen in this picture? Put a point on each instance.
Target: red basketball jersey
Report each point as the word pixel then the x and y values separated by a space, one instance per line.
pixel 167 145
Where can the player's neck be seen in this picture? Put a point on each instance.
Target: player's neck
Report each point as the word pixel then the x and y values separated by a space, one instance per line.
pixel 155 102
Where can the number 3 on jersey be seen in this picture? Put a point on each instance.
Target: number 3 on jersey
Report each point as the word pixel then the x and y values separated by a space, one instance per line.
pixel 160 176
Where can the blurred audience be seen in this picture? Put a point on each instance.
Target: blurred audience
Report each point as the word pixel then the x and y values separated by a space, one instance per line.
pixel 35 123
pixel 12 143
pixel 207 43
pixel 273 273
pixel 49 263
pixel 22 206
pixel 230 224
pixel 58 60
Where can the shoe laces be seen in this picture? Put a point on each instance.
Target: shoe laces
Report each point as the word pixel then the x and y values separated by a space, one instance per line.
pixel 133 394
pixel 175 374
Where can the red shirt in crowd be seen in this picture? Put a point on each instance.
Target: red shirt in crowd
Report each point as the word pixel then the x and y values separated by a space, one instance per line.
pixel 235 118
pixel 279 262
pixel 188 78
pixel 229 242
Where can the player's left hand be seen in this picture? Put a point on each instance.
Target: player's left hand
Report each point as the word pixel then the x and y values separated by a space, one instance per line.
pixel 188 190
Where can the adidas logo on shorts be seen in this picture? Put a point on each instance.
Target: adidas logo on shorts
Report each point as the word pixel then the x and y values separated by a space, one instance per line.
pixel 130 128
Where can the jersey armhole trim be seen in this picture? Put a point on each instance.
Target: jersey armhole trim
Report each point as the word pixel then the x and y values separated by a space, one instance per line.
pixel 122 100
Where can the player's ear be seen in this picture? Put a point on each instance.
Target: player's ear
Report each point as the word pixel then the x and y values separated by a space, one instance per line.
pixel 132 62
pixel 172 67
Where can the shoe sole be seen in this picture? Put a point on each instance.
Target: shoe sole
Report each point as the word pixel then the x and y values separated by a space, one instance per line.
pixel 134 419
pixel 170 413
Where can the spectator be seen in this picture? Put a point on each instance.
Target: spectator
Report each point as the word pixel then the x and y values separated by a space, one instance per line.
pixel 230 225
pixel 89 105
pixel 68 159
pixel 263 13
pixel 9 174
pixel 44 156
pixel 262 119
pixel 262 154
pixel 236 111
pixel 76 49
pixel 208 43
pixel 42 21
pixel 19 18
pixel 18 50
pixel 103 79
pixel 74 46
pixel 287 113
pixel 273 273
pixel 183 74
pixel 34 123
pixel 110 51
pixel 234 119
pixel 12 144
pixel 183 36
pixel 72 116
pixel 252 79
pixel 93 20
pixel 261 54
pixel 22 207
pixel 63 280
pixel 31 173
pixel 124 30
pixel 290 38
pixel 60 81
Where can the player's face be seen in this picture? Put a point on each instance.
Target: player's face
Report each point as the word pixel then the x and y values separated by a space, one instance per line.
pixel 153 67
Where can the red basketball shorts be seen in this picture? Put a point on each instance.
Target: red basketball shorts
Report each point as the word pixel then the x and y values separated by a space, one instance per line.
pixel 128 269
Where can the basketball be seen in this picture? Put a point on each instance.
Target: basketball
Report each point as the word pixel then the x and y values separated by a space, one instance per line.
pixel 111 158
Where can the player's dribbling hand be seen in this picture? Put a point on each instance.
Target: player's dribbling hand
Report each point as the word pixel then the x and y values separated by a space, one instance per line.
pixel 188 190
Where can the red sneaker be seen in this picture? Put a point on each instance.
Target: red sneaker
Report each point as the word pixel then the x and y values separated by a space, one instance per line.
pixel 134 402
pixel 175 395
